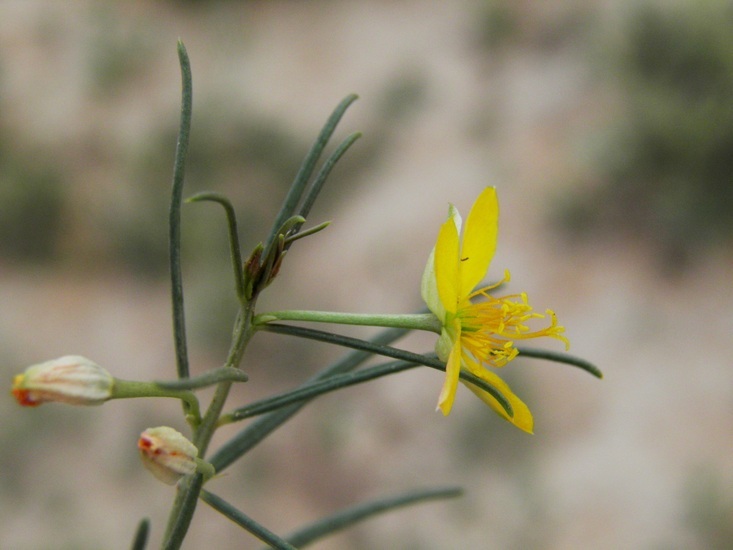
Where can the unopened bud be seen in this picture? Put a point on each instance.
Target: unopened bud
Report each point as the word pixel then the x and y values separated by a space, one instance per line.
pixel 167 454
pixel 72 379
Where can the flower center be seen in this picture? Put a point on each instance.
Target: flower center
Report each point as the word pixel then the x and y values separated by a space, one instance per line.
pixel 490 327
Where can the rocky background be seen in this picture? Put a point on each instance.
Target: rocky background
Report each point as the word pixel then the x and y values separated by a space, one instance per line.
pixel 607 128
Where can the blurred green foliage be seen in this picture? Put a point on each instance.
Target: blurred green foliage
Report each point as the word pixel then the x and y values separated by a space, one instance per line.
pixel 710 509
pixel 502 26
pixel 118 52
pixel 31 203
pixel 664 173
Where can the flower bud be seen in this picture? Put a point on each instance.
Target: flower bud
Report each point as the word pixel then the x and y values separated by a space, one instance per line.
pixel 167 454
pixel 70 379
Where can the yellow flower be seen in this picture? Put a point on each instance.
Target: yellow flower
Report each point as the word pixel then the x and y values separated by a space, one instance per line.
pixel 477 335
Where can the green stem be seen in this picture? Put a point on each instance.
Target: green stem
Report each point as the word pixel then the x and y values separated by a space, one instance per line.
pixel 209 378
pixel 127 389
pixel 414 321
pixel 188 492
pixel 243 332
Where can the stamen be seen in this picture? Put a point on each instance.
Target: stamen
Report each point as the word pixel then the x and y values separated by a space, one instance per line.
pixel 490 327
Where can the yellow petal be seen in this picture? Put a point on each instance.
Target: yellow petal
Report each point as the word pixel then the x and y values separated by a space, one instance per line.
pixel 446 265
pixel 479 240
pixel 452 372
pixel 522 418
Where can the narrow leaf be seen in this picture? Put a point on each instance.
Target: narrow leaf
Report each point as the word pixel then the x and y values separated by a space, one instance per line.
pixel 387 351
pixel 189 495
pixel 560 357
pixel 350 516
pixel 141 535
pixel 174 222
pixel 324 172
pixel 258 430
pixel 294 196
pixel 309 391
pixel 234 248
pixel 244 521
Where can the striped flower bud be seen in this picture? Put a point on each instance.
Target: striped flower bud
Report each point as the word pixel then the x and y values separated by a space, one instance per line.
pixel 71 379
pixel 167 454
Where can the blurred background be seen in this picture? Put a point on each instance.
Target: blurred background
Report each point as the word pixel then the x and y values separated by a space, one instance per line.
pixel 607 128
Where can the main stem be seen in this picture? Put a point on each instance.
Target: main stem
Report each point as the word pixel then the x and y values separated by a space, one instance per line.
pixel 243 331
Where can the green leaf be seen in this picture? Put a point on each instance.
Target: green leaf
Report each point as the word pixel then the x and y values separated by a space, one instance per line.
pixel 350 516
pixel 188 492
pixel 244 521
pixel 258 430
pixel 174 222
pixel 235 250
pixel 560 357
pixel 141 535
pixel 294 196
pixel 324 172
pixel 428 360
pixel 309 391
